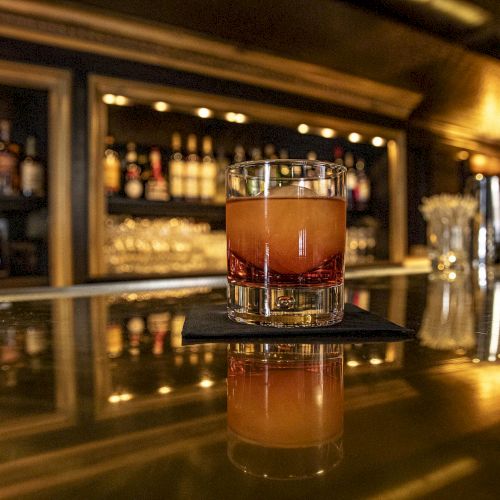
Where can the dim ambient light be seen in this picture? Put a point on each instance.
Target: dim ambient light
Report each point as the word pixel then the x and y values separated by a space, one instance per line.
pixel 303 128
pixel 109 98
pixel 206 383
pixel 378 141
pixel 463 155
pixel 327 133
pixel 121 100
pixel 354 137
pixel 204 112
pixel 161 106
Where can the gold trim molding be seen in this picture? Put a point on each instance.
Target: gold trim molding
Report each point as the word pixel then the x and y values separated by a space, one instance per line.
pixel 107 34
pixel 58 84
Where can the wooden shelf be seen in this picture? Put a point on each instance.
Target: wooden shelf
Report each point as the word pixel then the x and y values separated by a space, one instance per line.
pixel 198 211
pixel 21 204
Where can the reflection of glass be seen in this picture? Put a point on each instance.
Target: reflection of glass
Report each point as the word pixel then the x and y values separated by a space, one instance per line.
pixel 487 295
pixel 285 408
pixel 286 229
pixel 448 321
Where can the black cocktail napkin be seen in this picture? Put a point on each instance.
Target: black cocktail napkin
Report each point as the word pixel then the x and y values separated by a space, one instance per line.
pixel 209 323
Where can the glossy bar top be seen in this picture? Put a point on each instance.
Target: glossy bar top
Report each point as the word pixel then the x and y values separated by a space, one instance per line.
pixel 100 399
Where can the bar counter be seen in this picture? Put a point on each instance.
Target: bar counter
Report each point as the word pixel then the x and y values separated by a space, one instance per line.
pixel 96 402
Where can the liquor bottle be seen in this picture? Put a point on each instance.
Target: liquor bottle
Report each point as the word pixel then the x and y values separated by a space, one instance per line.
pixel 32 173
pixel 111 169
pixel 158 325
pixel 208 176
pixel 114 340
pixel 142 161
pixel 222 163
pixel 270 152
pixel 338 155
pixel 176 169
pixel 284 170
pixel 156 187
pixel 192 171
pixel 132 183
pixel 363 187
pixel 135 329
pixel 351 180
pixel 239 154
pixel 8 161
pixel 256 154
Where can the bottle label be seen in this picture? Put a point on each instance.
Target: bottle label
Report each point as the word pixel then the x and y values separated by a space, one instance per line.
pixel 156 189
pixel 7 166
pixel 111 175
pixel 32 178
pixel 191 188
pixel 176 168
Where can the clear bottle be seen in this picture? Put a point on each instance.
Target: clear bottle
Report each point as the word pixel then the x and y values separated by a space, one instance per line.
pixel 32 171
pixel 351 180
pixel 132 186
pixel 8 162
pixel 156 187
pixel 222 163
pixel 270 152
pixel 363 186
pixel 176 169
pixel 192 170
pixel 284 170
pixel 111 168
pixel 208 176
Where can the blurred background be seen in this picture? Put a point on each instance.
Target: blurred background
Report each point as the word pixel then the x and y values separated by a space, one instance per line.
pixel 119 117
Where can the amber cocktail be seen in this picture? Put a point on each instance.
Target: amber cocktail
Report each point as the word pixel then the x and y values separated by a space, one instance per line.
pixel 285 408
pixel 286 226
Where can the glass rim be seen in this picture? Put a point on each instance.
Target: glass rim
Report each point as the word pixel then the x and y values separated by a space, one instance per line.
pixel 336 168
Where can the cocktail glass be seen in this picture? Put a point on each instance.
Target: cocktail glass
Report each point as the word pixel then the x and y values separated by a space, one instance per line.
pixel 286 232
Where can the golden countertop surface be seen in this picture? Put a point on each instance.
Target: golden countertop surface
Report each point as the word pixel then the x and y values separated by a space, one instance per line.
pixel 96 403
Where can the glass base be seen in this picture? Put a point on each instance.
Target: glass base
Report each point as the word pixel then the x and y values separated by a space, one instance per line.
pixel 274 462
pixel 286 307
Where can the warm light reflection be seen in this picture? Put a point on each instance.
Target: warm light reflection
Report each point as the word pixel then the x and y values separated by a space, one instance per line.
pixel 354 137
pixel 376 361
pixel 463 155
pixel 303 128
pixel 425 484
pixel 378 141
pixel 165 389
pixel 206 383
pixel 479 177
pixel 204 112
pixel 353 363
pixel 327 133
pixel 117 398
pixel 161 106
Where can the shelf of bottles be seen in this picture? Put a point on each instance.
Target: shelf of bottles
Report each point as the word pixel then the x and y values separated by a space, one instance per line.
pixel 146 361
pixel 164 183
pixel 23 200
